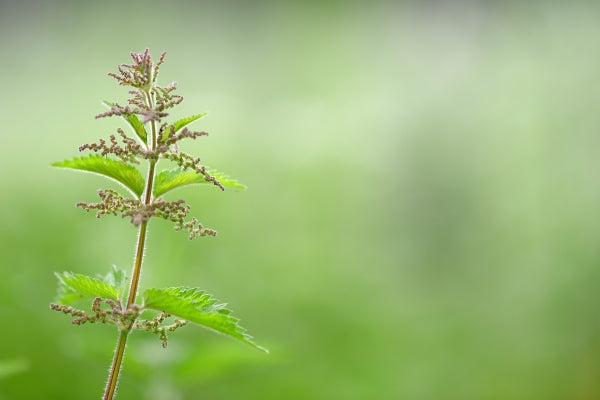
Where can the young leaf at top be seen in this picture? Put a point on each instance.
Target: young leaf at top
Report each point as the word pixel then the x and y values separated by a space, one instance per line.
pixel 72 287
pixel 195 306
pixel 136 124
pixel 125 174
pixel 172 178
pixel 116 278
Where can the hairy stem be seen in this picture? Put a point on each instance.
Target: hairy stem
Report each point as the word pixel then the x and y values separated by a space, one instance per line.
pixel 149 100
pixel 111 386
pixel 115 369
pixel 137 266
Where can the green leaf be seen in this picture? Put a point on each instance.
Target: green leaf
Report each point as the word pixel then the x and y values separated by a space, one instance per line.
pixel 138 127
pixel 72 287
pixel 172 178
pixel 136 124
pixel 125 174
pixel 195 306
pixel 183 122
pixel 188 120
pixel 116 278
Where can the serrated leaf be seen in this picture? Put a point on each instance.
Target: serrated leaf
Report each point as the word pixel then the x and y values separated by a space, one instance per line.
pixel 172 178
pixel 72 287
pixel 177 125
pixel 116 278
pixel 195 306
pixel 136 124
pixel 187 120
pixel 125 174
pixel 138 127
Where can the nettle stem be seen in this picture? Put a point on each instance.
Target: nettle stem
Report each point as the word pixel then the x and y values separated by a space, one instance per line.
pixel 115 368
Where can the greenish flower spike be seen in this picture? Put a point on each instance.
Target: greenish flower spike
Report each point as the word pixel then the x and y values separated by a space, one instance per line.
pixel 134 161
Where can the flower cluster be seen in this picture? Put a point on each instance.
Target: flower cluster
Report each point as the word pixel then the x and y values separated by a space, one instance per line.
pixel 124 319
pixel 148 99
pixel 175 211
pixel 154 140
pixel 115 315
pixel 126 153
pixel 187 161
pixel 167 135
pixel 141 73
pixel 154 326
pixel 111 203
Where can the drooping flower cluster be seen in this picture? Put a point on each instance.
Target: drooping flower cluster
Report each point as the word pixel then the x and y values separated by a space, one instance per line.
pixel 187 161
pixel 124 319
pixel 115 315
pixel 156 326
pixel 175 211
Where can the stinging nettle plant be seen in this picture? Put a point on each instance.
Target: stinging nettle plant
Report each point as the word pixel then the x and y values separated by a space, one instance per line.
pixel 117 159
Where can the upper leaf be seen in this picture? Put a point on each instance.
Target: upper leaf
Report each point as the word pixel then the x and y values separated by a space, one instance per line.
pixel 177 125
pixel 72 287
pixel 125 174
pixel 194 305
pixel 136 124
pixel 138 127
pixel 172 178
pixel 187 120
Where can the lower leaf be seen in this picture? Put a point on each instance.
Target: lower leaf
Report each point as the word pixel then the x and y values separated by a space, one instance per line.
pixel 195 306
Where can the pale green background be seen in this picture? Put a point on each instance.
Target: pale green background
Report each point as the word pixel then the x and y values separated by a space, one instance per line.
pixel 423 218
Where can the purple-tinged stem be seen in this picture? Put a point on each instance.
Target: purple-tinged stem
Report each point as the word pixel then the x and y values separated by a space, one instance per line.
pixel 115 369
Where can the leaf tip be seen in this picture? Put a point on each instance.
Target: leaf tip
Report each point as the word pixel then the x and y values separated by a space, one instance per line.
pixel 58 163
pixel 263 349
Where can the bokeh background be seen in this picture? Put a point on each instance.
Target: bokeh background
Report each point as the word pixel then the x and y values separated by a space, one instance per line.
pixel 423 212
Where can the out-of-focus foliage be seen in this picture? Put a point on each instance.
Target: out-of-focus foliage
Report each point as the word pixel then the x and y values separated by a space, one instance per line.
pixel 422 218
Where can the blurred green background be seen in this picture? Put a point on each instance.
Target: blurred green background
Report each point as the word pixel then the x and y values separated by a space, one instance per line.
pixel 423 212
